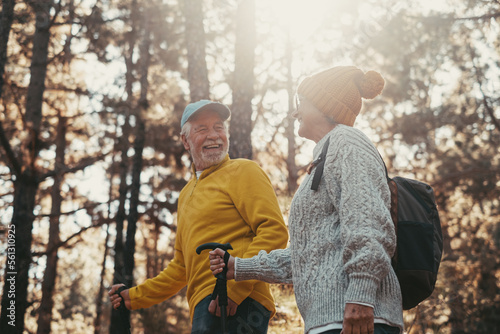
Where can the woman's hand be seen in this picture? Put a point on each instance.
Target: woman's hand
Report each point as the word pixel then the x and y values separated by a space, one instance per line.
pixel 217 263
pixel 358 319
pixel 116 300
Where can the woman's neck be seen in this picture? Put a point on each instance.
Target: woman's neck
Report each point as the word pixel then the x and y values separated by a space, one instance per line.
pixel 322 130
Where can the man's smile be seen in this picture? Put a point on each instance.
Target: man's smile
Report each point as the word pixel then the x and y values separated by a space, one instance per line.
pixel 213 146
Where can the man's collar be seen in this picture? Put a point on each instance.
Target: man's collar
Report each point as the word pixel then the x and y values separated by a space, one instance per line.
pixel 210 169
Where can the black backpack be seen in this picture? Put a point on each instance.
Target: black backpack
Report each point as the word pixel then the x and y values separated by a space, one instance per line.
pixel 419 238
pixel 418 230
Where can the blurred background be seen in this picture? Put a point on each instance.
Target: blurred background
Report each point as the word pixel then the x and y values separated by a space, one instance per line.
pixel 91 162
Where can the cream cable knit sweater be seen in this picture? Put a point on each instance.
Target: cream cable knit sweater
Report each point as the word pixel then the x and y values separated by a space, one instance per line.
pixel 341 238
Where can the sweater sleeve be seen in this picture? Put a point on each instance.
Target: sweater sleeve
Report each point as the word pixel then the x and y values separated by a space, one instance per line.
pixel 273 267
pixel 254 198
pixel 165 285
pixel 358 187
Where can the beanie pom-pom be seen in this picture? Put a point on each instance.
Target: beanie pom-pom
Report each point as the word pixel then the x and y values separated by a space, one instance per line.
pixel 370 84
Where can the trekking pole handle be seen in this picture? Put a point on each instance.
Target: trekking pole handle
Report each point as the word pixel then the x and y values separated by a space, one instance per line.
pixel 213 245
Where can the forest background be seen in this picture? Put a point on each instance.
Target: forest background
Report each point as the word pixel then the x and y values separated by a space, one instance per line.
pixel 91 163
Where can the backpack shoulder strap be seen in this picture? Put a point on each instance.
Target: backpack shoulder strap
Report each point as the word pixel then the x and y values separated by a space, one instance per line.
pixel 320 164
pixel 393 188
pixel 385 167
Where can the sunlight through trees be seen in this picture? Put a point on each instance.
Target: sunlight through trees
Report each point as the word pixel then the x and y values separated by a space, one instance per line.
pixel 91 162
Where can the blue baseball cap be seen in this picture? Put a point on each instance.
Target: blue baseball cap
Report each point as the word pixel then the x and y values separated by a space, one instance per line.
pixel 201 105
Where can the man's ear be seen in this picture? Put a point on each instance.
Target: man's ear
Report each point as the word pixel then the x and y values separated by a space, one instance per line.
pixel 185 142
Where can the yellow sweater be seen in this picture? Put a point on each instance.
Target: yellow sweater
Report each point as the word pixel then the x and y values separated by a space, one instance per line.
pixel 233 202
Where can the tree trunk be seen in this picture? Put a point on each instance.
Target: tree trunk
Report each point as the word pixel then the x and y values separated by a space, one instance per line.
pixel 50 274
pixel 99 298
pixel 243 82
pixel 6 18
pixel 122 274
pixel 26 184
pixel 290 123
pixel 137 160
pixel 16 277
pixel 153 318
pixel 195 44
pixel 116 325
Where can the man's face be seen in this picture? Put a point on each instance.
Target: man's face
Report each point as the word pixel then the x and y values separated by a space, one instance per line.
pixel 207 140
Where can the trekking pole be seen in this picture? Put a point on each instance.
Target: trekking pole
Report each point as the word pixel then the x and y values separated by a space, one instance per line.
pixel 122 309
pixel 221 283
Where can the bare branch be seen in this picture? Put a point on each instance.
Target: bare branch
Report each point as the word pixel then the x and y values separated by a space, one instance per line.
pixel 64 243
pixel 453 177
pixel 68 213
pixel 10 193
pixel 445 17
pixel 14 162
pixel 479 76
pixel 478 18
pixel 84 163
pixel 76 90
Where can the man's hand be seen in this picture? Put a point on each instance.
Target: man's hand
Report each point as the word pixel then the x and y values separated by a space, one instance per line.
pixel 217 263
pixel 358 319
pixel 214 307
pixel 116 300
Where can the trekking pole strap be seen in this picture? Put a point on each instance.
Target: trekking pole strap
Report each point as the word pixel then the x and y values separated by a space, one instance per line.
pixel 221 283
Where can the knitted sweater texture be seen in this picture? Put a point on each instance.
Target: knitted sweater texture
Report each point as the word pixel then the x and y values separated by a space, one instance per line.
pixel 341 238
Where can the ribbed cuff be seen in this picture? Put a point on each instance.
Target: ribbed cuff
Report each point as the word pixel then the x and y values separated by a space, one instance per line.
pixel 362 289
pixel 245 269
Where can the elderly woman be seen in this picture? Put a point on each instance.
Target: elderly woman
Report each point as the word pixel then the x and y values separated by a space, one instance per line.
pixel 341 234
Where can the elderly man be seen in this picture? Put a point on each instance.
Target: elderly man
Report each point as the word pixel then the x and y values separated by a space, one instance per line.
pixel 226 201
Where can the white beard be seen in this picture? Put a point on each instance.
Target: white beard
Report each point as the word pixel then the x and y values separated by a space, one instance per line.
pixel 205 160
pixel 210 159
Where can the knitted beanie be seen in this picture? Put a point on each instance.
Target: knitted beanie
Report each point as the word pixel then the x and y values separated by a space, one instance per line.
pixel 337 92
